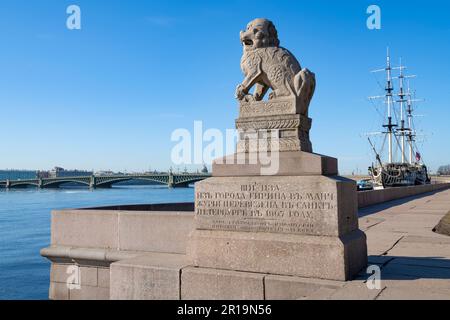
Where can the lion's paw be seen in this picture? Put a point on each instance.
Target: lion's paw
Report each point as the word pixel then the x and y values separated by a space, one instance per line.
pixel 249 98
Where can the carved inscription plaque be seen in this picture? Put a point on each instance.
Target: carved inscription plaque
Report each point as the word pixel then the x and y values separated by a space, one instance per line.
pixel 264 108
pixel 276 205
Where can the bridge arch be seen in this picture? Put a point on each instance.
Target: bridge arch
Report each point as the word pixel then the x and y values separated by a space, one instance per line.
pixel 186 180
pixel 22 184
pixel 59 183
pixel 109 181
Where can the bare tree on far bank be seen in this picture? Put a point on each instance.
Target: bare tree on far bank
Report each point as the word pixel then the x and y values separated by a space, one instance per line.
pixel 444 170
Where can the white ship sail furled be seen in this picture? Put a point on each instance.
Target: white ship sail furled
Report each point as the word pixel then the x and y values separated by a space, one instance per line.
pixel 404 164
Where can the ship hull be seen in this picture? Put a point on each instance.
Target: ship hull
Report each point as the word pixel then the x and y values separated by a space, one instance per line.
pixel 399 175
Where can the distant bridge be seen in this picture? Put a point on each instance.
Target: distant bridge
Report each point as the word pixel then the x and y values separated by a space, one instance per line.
pixel 169 179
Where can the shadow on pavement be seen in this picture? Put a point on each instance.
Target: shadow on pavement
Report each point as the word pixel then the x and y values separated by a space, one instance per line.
pixel 363 212
pixel 411 268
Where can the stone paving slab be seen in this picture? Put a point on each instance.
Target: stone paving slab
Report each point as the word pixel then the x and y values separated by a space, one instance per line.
pixel 434 206
pixel 407 282
pixel 408 249
pixel 414 261
pixel 414 294
pixel 438 239
pixel 294 288
pixel 411 221
pixel 439 212
pixel 323 293
pixel 357 290
pixel 367 222
pixel 381 242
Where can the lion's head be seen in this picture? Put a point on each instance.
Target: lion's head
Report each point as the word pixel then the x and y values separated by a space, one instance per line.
pixel 260 33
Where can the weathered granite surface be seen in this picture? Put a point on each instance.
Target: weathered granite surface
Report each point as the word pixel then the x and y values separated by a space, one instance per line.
pixel 444 225
pixel 274 126
pixel 289 163
pixel 306 205
pixel 414 261
pixel 210 284
pixel 304 226
pixel 268 66
pixel 321 257
pixel 153 276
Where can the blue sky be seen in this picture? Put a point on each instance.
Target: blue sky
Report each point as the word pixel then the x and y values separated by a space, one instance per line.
pixel 110 95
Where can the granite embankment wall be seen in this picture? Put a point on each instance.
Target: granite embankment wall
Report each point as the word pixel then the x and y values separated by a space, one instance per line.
pixel 85 244
pixel 109 252
pixel 434 178
pixel 372 197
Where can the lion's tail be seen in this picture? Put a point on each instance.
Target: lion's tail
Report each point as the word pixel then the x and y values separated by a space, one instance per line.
pixel 305 86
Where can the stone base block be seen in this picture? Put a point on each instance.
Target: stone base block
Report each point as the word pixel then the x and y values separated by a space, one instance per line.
pixel 89 293
pixel 153 276
pixel 306 205
pixel 284 120
pixel 75 282
pixel 217 284
pixel 211 284
pixel 281 164
pixel 58 291
pixel 333 258
pixel 278 144
pixel 61 291
pixel 296 288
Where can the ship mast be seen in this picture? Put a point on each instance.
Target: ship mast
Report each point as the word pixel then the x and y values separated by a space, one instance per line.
pixel 411 135
pixel 402 95
pixel 390 104
pixel 388 97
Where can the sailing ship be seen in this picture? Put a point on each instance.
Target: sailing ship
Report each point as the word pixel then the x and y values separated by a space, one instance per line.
pixel 404 165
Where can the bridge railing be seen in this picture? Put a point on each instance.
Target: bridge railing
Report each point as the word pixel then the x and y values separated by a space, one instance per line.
pixel 94 180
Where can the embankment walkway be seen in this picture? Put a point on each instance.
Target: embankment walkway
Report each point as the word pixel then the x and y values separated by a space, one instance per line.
pixel 414 261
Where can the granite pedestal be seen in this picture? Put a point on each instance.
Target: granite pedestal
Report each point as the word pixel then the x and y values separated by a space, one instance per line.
pixel 303 223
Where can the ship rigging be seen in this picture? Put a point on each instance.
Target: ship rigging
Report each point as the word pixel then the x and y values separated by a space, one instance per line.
pixel 400 133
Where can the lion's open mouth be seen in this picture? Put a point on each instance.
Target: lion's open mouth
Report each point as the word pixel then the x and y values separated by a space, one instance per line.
pixel 247 42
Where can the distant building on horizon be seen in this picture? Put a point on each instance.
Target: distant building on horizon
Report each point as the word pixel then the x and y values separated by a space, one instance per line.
pixel 43 174
pixel 59 172
pixel 105 173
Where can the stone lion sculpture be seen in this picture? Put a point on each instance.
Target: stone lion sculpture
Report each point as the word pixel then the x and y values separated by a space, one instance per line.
pixel 266 66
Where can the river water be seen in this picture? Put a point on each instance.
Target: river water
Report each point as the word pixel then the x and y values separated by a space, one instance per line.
pixel 25 228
